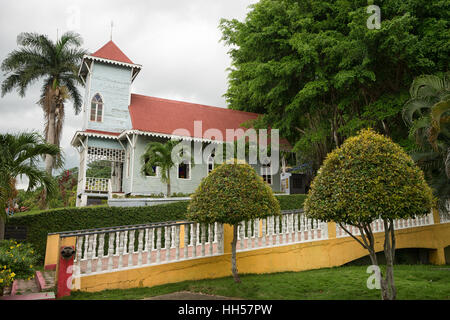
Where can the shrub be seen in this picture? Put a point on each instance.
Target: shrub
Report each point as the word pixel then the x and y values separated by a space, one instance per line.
pixel 231 193
pixel 368 178
pixel 19 257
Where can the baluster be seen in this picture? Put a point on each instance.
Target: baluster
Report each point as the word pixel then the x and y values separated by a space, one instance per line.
pixel 242 234
pixel 100 253
pixel 270 230
pixel 211 238
pixel 215 232
pixel 309 226
pixel 194 239
pixel 198 234
pixel 131 248
pixel 94 246
pixel 186 241
pixel 110 250
pixel 151 245
pixel 86 244
pixel 288 228
pixel 295 227
pixel 302 227
pixel 177 242
pixel 121 249
pixel 256 233
pixel 203 238
pixel 316 228
pixel 125 241
pixel 220 238
pixel 263 232
pixel 78 255
pixel 158 245
pixel 117 242
pixel 90 253
pixel 191 230
pixel 277 230
pixel 173 237
pixel 167 242
pixel 140 245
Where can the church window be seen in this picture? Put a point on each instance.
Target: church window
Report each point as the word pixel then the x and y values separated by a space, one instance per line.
pixel 97 108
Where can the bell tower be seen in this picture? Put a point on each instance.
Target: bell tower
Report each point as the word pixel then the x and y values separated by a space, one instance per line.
pixel 107 75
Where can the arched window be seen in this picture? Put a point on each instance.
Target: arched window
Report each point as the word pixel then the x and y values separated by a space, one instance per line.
pixel 97 108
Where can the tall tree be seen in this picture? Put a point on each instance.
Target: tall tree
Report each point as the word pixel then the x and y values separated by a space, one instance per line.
pixel 232 193
pixel 427 114
pixel 19 155
pixel 319 74
pixel 57 64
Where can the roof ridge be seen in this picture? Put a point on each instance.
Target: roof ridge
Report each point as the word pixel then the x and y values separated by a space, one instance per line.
pixel 197 104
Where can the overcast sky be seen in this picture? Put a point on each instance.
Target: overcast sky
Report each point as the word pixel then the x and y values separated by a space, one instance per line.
pixel 176 42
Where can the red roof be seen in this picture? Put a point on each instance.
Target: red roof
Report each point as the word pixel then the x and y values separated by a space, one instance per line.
pixel 165 116
pixel 111 51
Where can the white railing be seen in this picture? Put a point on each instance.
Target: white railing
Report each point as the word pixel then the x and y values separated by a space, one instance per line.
pixel 289 228
pixel 114 249
pixel 378 225
pixel 97 184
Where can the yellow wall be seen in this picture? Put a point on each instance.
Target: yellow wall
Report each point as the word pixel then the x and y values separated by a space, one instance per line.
pixel 52 250
pixel 296 257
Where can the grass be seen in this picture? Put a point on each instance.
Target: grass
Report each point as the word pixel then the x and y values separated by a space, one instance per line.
pixel 414 282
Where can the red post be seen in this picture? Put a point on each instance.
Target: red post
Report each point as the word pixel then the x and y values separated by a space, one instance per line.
pixel 64 275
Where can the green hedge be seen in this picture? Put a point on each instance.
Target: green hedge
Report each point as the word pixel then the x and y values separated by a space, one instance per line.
pixel 39 224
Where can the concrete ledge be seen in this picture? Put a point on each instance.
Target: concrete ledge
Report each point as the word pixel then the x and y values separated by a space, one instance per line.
pixel 142 202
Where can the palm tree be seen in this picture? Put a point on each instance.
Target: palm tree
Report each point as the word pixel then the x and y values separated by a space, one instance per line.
pixel 427 114
pixel 159 154
pixel 18 157
pixel 57 63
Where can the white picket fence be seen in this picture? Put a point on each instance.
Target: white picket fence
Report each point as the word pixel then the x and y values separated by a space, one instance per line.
pixel 117 248
pixel 378 225
pixel 291 227
pixel 112 249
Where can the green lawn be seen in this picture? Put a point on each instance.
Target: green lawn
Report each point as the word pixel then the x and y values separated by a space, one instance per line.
pixel 415 282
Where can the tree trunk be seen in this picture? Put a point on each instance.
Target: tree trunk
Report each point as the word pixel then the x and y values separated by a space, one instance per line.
pixel 234 270
pixel 2 226
pixel 389 253
pixel 49 160
pixel 168 183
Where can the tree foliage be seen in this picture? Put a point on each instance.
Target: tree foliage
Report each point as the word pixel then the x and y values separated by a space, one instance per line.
pixel 368 178
pixel 427 114
pixel 319 74
pixel 231 193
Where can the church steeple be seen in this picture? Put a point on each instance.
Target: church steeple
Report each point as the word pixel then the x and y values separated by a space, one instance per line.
pixel 107 74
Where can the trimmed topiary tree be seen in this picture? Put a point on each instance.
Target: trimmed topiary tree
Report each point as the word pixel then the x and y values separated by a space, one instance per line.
pixel 368 178
pixel 231 193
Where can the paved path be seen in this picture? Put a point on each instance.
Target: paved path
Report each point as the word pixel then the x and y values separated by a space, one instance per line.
pixel 186 295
